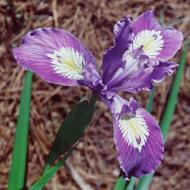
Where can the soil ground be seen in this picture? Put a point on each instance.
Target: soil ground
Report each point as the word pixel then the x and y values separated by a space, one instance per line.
pixel 95 157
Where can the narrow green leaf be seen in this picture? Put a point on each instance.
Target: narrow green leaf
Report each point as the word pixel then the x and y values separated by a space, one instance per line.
pixel 168 112
pixel 49 172
pixel 144 182
pixel 18 167
pixel 173 94
pixel 121 183
pixel 130 184
pixel 71 129
pixel 162 22
pixel 150 101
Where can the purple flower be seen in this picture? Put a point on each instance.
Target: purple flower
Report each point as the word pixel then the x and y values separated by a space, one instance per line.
pixel 138 60
pixel 139 57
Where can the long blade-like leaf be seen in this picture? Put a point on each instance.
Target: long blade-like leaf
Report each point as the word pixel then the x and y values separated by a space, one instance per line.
pixel 144 182
pixel 49 173
pixel 173 94
pixel 68 135
pixel 71 129
pixel 120 184
pixel 168 112
pixel 18 167
pixel 130 184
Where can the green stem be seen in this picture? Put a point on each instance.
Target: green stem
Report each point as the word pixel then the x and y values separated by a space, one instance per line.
pixel 131 184
pixel 18 167
pixel 50 171
pixel 120 184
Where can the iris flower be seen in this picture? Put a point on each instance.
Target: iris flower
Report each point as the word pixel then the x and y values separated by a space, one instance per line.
pixel 137 61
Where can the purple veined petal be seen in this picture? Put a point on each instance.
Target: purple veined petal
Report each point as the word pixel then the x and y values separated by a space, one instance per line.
pixel 172 43
pixel 146 78
pixel 131 64
pixel 159 43
pixel 130 74
pixel 92 78
pixel 162 70
pixel 138 73
pixel 56 55
pixel 146 21
pixel 122 31
pixel 112 57
pixel 142 62
pixel 138 140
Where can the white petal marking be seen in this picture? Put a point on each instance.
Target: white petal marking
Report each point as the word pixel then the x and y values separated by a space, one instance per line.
pixel 67 62
pixel 150 40
pixel 134 130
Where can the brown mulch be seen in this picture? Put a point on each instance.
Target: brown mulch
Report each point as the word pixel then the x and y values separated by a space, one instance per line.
pixel 95 157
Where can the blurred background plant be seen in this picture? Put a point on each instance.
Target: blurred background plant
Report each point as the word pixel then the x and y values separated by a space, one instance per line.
pixel 94 158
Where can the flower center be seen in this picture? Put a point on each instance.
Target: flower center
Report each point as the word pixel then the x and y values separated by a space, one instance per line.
pixel 67 62
pixel 151 42
pixel 134 130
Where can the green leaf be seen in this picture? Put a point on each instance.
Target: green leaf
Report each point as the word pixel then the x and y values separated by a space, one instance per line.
pixel 173 94
pixel 18 167
pixel 49 173
pixel 71 129
pixel 130 184
pixel 145 182
pixel 121 183
pixel 150 101
pixel 168 112
pixel 68 135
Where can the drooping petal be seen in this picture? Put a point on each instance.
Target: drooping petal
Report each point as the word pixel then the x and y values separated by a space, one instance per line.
pixel 56 55
pixel 172 43
pixel 138 138
pixel 145 21
pixel 159 43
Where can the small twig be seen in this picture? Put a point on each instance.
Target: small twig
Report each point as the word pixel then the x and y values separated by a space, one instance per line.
pixel 55 15
pixel 76 176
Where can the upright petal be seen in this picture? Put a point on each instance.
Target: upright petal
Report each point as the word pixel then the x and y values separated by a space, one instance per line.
pixel 138 138
pixel 122 31
pixel 112 58
pixel 56 55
